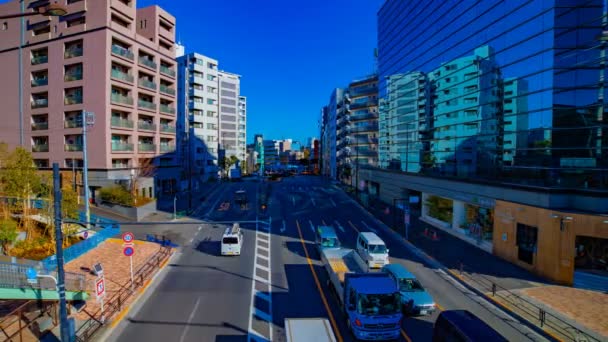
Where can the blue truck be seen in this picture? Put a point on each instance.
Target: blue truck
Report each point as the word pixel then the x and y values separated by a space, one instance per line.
pixel 370 301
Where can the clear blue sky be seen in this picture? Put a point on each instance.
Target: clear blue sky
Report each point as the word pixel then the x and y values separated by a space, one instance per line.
pixel 290 53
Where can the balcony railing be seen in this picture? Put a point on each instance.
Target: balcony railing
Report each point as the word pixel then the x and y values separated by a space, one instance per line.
pixel 119 75
pixel 122 147
pixel 167 148
pixel 147 62
pixel 146 147
pixel 148 126
pixel 40 126
pixel 40 103
pixel 364 128
pixel 73 76
pixel 120 51
pixel 146 104
pixel 71 100
pixel 39 82
pixel 120 122
pixel 167 71
pixel 167 128
pixel 40 148
pixel 167 90
pixel 72 52
pixel 76 123
pixel 73 147
pixel 118 98
pixel 364 104
pixel 147 84
pixel 365 116
pixel 39 60
pixel 167 109
pixel 362 90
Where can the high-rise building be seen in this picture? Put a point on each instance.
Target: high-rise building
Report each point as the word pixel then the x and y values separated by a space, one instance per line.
pixel 332 131
pixel 242 128
pixel 105 57
pixel 229 90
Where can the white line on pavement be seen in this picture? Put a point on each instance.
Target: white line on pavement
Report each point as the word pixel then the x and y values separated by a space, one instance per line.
pixel 219 198
pixel 283 228
pixel 199 228
pixel 312 227
pixel 332 202
pixel 339 226
pixel 198 300
pixel 368 227
pixel 313 201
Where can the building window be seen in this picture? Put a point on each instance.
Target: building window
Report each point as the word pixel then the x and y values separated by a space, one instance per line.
pixel 75 21
pixel 143 23
pixel 527 237
pixel 4 26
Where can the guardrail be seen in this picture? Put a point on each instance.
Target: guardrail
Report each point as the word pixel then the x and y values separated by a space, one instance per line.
pixel 115 304
pixel 14 276
pixel 15 322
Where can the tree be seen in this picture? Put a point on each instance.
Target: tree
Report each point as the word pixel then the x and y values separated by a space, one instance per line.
pixel 8 233
pixel 145 169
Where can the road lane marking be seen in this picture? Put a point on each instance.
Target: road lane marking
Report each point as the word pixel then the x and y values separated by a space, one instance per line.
pixel 439 307
pixel 407 338
pixel 199 228
pixel 354 227
pixel 368 227
pixel 339 226
pixel 263 268
pixel 190 318
pixel 314 275
pixel 261 239
pixel 313 201
pixel 312 227
pixel 332 202
pixel 191 240
pixel 261 256
pixel 283 228
pixel 219 198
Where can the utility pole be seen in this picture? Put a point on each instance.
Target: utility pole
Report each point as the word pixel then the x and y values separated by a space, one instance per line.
pixel 85 165
pixel 63 312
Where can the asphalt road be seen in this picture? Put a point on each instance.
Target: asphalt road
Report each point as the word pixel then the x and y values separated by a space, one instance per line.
pixel 205 297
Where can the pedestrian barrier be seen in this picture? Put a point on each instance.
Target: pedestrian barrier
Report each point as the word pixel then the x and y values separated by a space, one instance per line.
pixel 160 240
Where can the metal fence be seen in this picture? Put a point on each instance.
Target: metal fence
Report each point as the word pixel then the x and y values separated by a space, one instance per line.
pixel 14 276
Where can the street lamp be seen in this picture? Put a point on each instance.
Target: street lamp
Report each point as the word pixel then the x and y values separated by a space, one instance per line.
pixel 50 10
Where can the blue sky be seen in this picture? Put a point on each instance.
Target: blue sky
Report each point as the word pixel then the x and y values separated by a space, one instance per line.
pixel 290 53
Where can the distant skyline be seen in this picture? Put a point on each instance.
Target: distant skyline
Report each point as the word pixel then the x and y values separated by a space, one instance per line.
pixel 290 54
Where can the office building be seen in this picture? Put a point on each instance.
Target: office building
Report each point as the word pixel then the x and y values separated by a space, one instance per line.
pixel 229 89
pixel 331 133
pixel 501 112
pixel 242 128
pixel 106 57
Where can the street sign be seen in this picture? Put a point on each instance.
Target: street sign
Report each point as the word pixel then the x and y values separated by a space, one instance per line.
pixel 128 237
pixel 128 251
pixel 32 275
pixel 85 235
pixel 98 269
pixel 100 287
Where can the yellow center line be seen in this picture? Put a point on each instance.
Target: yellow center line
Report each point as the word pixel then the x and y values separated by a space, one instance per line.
pixel 314 275
pixel 439 307
pixel 354 227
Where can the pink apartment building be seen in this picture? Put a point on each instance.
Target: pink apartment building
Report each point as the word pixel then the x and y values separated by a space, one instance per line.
pixel 105 57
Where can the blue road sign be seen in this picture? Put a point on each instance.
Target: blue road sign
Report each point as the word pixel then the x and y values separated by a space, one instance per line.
pixel 32 275
pixel 128 251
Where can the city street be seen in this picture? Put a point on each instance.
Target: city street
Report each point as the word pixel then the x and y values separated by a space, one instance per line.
pixel 208 297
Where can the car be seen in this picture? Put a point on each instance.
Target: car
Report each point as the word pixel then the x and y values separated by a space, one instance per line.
pixel 414 298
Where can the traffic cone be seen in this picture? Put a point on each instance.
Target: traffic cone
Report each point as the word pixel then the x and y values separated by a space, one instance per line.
pixel 435 238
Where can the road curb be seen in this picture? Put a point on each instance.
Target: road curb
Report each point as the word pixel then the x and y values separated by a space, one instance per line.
pixel 436 264
pixel 118 324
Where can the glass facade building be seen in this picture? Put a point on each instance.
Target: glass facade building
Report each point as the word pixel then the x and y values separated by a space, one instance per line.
pixel 508 91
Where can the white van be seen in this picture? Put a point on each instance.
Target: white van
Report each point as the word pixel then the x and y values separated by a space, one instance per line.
pixel 232 240
pixel 372 250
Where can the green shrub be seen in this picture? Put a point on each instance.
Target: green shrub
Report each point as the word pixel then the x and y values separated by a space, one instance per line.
pixel 116 195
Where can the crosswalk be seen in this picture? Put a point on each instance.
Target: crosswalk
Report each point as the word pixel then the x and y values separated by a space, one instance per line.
pixel 260 315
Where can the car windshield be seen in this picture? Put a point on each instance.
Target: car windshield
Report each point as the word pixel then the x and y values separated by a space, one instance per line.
pixel 378 304
pixel 410 285
pixel 377 249
pixel 329 242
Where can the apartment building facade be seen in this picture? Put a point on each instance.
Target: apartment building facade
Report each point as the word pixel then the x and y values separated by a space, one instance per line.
pixel 104 57
pixel 231 143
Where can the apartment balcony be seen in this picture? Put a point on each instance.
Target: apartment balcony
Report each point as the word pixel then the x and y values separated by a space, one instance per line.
pixel 147 62
pixel 72 52
pixel 145 147
pixel 76 123
pixel 122 147
pixel 167 71
pixel 167 148
pixel 123 76
pixel 120 122
pixel 146 126
pixel 72 100
pixel 167 128
pixel 40 126
pixel 197 92
pixel 39 82
pixel 167 109
pixel 40 60
pixel 197 80
pixel 365 128
pixel 146 104
pixel 365 116
pixel 40 103
pixel 368 103
pixel 198 67
pixel 167 90
pixel 122 99
pixel 197 105
pixel 73 76
pixel 122 52
pixel 354 92
pixel 147 84
pixel 72 147
pixel 40 148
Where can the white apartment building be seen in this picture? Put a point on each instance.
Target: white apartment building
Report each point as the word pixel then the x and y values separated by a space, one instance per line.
pixel 229 88
pixel 242 128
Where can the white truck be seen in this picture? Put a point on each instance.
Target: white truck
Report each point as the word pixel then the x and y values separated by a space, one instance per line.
pixel 308 329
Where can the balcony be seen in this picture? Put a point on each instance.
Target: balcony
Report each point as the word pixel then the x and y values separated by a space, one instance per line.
pixel 145 147
pixel 73 123
pixel 73 76
pixel 122 147
pixel 146 126
pixel 120 122
pixel 364 116
pixel 72 100
pixel 147 84
pixel 39 60
pixel 197 80
pixel 364 104
pixel 72 147
pixel 167 90
pixel 167 128
pixel 40 126
pixel 167 71
pixel 122 52
pixel 40 103
pixel 146 104
pixel 167 148
pixel 147 62
pixel 39 82
pixel 40 148
pixel 123 76
pixel 122 99
pixel 167 109
pixel 353 92
pixel 364 128
pixel 72 52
